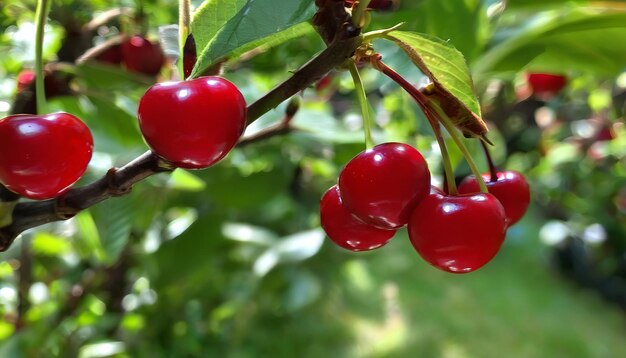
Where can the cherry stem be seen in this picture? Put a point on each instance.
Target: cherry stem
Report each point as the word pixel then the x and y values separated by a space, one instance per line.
pixel 365 107
pixel 359 11
pixel 422 101
pixel 41 14
pixel 493 170
pixel 459 142
pixel 445 156
pixel 184 21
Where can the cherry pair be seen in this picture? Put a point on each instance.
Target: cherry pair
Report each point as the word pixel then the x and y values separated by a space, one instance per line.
pixel 462 233
pixel 193 124
pixel 375 195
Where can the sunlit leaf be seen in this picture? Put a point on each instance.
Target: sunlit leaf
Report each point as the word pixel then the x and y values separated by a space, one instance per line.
pixel 46 244
pixel 300 246
pixel 103 349
pixel 446 67
pixel 184 180
pixel 248 233
pixel 90 235
pixel 224 28
pixel 266 262
pixel 583 39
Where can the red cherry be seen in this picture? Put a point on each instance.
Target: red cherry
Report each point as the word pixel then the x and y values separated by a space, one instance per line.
pixel 141 55
pixel 324 83
pixel 42 156
pixel 546 83
pixel 55 83
pixel 112 55
pixel 458 234
pixel 24 79
pixel 382 185
pixel 511 189
pixel 346 230
pixel 194 123
pixel 605 134
pixel 189 56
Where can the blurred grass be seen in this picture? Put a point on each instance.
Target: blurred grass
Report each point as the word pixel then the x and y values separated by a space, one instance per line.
pixel 396 305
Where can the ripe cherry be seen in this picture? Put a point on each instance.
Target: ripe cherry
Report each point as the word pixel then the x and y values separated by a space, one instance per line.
pixel 189 56
pixel 141 55
pixel 42 156
pixel 56 83
pixel 194 123
pixel 382 185
pixel 458 234
pixel 546 83
pixel 112 55
pixel 345 230
pixel 24 79
pixel 511 189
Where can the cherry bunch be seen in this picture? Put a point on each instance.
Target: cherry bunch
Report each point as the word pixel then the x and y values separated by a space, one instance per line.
pixel 389 186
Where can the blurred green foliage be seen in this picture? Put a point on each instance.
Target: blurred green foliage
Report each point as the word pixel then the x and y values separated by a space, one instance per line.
pixel 230 261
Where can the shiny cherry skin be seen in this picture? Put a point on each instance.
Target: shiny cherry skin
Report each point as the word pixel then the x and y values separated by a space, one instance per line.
pixel 142 56
pixel 382 185
pixel 511 189
pixel 41 156
pixel 194 123
pixel 458 234
pixel 546 83
pixel 345 230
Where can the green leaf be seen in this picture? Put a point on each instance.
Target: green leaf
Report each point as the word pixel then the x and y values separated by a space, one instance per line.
pixel 515 4
pixel 463 23
pixel 300 246
pixel 113 218
pixel 109 78
pixel 583 39
pixel 442 63
pixel 46 244
pixel 293 248
pixel 90 236
pixel 6 212
pixel 102 349
pixel 324 127
pixel 224 29
pixel 249 233
pixel 185 181
pixel 210 17
pixel 452 85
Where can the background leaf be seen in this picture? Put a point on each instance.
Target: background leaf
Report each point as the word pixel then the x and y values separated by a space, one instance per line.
pixel 225 28
pixel 583 39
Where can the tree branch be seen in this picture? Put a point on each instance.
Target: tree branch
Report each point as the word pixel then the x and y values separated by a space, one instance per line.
pixel 119 181
pixel 334 55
